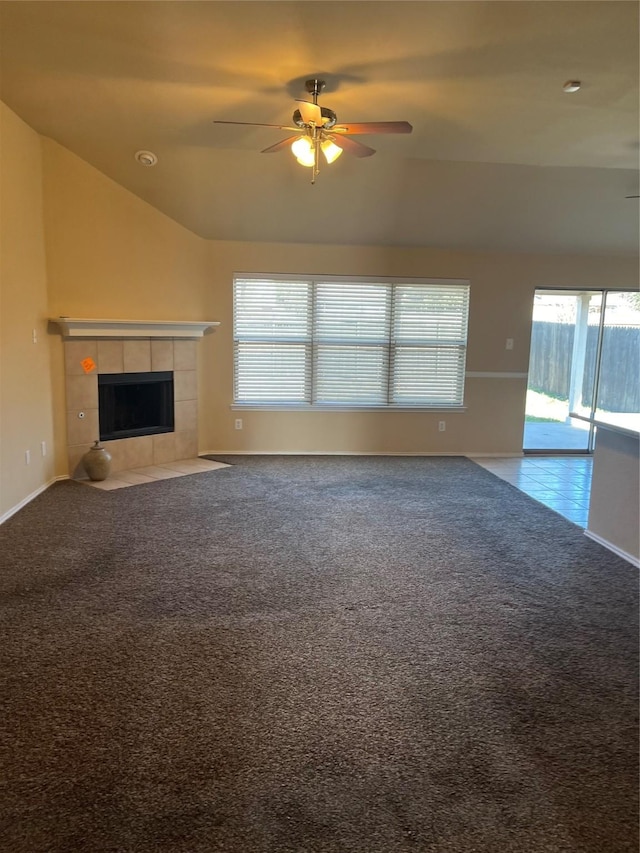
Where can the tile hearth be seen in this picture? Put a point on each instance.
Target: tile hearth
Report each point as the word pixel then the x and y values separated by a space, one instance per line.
pixel 153 473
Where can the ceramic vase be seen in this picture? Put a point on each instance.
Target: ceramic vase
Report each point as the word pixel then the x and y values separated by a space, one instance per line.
pixel 97 462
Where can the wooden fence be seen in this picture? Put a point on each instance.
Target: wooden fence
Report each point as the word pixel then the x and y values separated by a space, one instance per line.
pixel 550 365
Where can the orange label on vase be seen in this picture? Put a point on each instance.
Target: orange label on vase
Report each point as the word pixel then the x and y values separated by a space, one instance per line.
pixel 88 364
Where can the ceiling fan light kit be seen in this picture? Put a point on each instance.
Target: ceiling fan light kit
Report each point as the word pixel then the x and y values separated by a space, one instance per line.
pixel 318 131
pixel 303 150
pixel 330 150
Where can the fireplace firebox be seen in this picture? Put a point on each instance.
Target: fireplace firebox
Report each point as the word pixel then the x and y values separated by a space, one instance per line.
pixel 134 404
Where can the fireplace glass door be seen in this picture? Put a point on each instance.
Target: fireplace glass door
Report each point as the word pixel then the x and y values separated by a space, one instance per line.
pixel 135 404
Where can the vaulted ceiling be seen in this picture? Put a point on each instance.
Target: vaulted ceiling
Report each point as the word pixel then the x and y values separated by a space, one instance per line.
pixel 500 158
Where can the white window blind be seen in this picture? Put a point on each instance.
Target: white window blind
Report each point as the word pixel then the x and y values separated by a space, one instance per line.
pixel 429 336
pixel 351 342
pixel 328 342
pixel 272 341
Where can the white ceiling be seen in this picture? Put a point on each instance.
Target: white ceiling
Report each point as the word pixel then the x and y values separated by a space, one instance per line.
pixel 499 159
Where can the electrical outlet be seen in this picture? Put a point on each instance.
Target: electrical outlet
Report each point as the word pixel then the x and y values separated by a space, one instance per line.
pixel 509 343
pixel 34 336
pixel 27 457
pixel 238 423
pixel 43 447
pixel 442 425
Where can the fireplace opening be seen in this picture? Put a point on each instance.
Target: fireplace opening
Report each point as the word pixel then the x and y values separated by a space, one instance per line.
pixel 132 404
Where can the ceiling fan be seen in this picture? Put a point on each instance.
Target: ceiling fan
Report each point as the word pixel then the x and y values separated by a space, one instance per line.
pixel 317 129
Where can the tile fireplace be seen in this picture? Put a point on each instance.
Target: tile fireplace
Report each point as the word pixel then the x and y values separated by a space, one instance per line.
pixel 92 354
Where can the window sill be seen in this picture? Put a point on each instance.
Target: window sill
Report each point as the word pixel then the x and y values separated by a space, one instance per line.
pixel 347 407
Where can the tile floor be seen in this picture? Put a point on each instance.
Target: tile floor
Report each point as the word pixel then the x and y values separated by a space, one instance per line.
pixel 562 483
pixel 152 473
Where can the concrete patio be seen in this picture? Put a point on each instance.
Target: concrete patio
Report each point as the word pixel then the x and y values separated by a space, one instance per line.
pixel 556 436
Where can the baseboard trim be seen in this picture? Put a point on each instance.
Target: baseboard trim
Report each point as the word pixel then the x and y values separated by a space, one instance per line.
pixel 495 455
pixel 351 453
pixel 14 509
pixel 488 374
pixel 611 547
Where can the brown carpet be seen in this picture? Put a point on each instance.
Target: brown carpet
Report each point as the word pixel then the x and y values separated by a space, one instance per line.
pixel 341 655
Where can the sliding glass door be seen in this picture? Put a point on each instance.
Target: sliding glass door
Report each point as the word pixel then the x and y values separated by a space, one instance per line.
pixel 561 369
pixel 617 390
pixel 583 361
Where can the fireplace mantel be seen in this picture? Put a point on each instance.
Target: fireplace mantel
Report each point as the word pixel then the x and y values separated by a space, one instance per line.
pixel 73 327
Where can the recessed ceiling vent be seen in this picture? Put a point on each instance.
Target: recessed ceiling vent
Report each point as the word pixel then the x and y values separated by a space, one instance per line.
pixel 146 158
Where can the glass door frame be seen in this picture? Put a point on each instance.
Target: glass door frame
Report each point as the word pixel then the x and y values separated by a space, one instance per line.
pixel 590 444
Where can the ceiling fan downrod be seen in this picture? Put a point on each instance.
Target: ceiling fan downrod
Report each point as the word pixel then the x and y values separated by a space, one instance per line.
pixel 314 87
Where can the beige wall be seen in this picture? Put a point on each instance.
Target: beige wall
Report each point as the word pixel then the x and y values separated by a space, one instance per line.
pixel 615 488
pixel 110 254
pixel 25 379
pixel 502 288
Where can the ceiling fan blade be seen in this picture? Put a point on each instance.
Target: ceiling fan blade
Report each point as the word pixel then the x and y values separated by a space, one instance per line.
pixel 257 124
pixel 352 146
pixel 311 113
pixel 374 127
pixel 284 143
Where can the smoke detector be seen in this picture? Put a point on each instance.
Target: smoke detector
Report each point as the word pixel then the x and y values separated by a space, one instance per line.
pixel 146 158
pixel 572 86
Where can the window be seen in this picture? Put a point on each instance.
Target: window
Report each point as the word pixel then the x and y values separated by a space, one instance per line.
pixel 330 342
